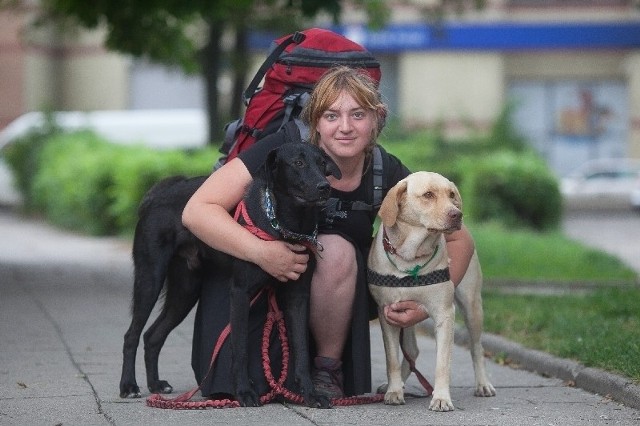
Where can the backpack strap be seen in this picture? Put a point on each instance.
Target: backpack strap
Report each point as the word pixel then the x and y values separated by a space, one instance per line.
pixel 334 205
pixel 292 101
pixel 377 177
pixel 303 128
pixel 296 37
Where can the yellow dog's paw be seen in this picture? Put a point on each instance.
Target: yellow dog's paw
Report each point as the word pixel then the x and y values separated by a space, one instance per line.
pixel 486 389
pixel 394 398
pixel 441 404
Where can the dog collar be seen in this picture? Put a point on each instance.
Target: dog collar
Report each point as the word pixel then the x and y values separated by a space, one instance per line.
pixel 386 243
pixel 434 277
pixel 389 249
pixel 310 241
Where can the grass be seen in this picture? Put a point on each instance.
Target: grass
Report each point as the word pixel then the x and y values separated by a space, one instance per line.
pixel 596 326
pixel 527 256
pixel 598 329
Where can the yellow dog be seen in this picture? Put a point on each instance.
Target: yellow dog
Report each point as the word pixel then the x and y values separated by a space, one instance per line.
pixel 409 261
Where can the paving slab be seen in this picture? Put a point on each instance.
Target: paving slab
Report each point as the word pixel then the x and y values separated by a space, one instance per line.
pixel 65 307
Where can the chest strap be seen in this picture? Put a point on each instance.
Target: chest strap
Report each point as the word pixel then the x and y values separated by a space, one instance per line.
pixel 434 277
pixel 338 208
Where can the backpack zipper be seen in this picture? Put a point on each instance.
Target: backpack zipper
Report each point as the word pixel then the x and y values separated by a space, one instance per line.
pixel 318 61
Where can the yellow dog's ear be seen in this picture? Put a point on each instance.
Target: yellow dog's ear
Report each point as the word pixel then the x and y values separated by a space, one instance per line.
pixel 391 204
pixel 457 198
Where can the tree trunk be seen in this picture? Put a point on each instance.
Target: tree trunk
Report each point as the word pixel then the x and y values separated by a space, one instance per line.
pixel 240 61
pixel 211 64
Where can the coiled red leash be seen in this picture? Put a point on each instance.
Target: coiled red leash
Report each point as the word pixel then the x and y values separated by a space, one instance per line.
pixel 274 315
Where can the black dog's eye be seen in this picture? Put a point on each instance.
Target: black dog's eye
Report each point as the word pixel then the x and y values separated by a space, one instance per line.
pixel 298 163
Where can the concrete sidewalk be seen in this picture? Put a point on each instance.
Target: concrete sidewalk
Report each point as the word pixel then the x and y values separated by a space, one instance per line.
pixel 64 309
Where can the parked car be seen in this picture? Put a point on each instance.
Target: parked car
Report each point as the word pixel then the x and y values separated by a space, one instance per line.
pixel 603 183
pixel 635 196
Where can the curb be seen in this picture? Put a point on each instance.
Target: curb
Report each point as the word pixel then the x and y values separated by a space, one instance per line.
pixel 619 388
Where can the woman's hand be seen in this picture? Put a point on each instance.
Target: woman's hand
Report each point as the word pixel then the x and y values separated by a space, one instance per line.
pixel 405 313
pixel 282 260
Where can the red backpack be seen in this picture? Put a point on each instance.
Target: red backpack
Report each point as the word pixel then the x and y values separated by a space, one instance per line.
pixel 295 63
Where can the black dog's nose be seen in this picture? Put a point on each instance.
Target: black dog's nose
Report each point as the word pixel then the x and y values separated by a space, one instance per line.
pixel 324 188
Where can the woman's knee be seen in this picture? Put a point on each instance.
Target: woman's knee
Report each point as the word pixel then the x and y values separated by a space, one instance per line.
pixel 338 256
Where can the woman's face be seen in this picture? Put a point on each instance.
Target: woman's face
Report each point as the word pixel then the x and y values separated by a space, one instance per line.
pixel 345 128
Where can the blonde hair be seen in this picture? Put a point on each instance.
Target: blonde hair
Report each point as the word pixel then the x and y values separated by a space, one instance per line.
pixel 356 83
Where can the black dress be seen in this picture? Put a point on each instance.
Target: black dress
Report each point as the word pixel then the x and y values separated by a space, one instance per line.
pixel 213 309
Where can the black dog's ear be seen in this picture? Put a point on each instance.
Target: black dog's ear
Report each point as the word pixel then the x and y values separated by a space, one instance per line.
pixel 331 168
pixel 270 165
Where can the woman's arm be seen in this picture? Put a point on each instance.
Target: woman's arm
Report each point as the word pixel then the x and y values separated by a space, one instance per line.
pixel 207 216
pixel 460 247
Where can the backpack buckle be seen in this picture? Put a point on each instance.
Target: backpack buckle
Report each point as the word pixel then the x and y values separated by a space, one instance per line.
pixel 291 99
pixel 298 37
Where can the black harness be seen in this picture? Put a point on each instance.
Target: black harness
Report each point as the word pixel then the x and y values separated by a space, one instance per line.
pixel 434 277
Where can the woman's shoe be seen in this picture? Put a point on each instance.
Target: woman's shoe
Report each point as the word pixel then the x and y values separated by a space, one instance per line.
pixel 327 377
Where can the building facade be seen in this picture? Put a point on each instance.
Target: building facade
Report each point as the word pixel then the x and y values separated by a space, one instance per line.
pixel 569 69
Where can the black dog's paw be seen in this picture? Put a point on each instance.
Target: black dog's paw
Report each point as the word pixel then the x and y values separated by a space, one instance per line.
pixel 313 398
pixel 248 398
pixel 130 391
pixel 317 401
pixel 160 386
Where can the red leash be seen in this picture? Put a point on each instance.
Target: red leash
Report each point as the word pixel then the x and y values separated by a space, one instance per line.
pixel 412 366
pixel 183 401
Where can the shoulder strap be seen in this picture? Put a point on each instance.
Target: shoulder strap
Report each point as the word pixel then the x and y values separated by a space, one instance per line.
pixel 377 177
pixel 296 37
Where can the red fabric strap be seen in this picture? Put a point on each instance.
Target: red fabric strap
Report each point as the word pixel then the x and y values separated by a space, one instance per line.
pixel 242 213
pixel 412 366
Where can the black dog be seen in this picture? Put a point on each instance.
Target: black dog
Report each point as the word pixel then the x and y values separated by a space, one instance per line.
pixel 284 201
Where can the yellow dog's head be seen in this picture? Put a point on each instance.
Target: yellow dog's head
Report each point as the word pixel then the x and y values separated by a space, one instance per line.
pixel 423 199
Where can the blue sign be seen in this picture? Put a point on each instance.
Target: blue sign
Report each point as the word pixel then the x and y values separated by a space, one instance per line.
pixel 485 36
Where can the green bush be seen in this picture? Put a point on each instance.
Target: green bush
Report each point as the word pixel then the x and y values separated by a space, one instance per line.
pixel 516 189
pixel 499 178
pixel 142 168
pixel 88 184
pixel 73 186
pixel 431 150
pixel 23 154
pixel 83 182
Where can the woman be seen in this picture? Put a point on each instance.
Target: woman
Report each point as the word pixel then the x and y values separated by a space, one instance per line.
pixel 345 115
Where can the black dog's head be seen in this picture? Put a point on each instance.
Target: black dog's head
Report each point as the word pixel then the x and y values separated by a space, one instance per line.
pixel 299 169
